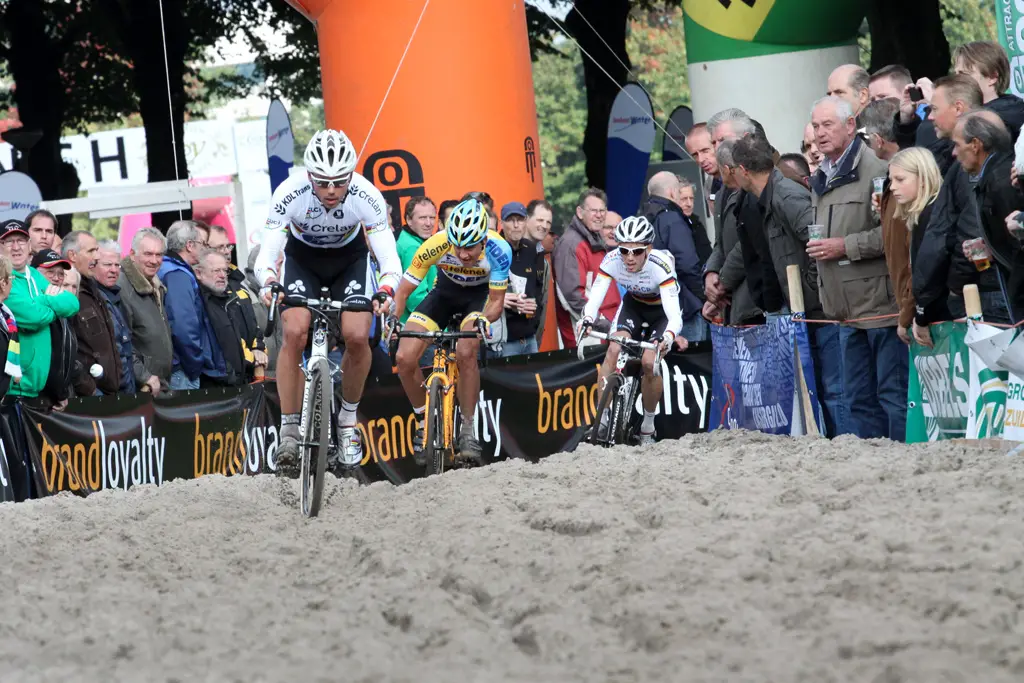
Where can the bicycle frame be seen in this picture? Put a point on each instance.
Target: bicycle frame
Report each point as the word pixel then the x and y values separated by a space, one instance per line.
pixel 444 370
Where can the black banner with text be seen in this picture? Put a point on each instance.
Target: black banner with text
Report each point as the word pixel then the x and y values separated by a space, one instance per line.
pixel 529 407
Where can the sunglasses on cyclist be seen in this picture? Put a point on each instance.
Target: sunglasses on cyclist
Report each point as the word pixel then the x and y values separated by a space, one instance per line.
pixel 480 197
pixel 325 183
pixel 635 251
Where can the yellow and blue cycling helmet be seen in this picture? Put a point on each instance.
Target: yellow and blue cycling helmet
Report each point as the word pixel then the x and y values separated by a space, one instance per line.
pixel 467 223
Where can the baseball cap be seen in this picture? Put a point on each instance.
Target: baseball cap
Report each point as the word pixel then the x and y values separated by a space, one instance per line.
pixel 513 209
pixel 12 226
pixel 48 259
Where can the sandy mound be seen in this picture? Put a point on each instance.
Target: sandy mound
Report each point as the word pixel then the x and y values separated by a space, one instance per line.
pixel 729 557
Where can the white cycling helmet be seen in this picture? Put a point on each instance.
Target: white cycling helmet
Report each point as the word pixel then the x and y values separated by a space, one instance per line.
pixel 634 230
pixel 330 154
pixel 467 223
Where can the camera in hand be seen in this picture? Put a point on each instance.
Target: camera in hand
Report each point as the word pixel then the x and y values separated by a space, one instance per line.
pixel 915 94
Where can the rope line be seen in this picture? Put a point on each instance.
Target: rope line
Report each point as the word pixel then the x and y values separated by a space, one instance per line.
pixel 394 77
pixel 170 101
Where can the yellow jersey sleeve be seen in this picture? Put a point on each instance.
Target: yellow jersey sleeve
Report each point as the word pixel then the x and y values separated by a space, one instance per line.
pixel 429 253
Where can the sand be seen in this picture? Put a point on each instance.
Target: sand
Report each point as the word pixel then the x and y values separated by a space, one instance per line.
pixel 725 557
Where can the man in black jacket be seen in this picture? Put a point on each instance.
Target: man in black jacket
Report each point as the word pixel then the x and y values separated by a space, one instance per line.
pixel 941 270
pixel 524 305
pixel 224 315
pixel 982 145
pixel 688 244
pixel 730 125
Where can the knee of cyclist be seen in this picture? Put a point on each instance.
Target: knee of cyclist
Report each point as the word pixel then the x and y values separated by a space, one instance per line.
pixel 406 360
pixel 466 351
pixel 295 336
pixel 648 364
pixel 356 339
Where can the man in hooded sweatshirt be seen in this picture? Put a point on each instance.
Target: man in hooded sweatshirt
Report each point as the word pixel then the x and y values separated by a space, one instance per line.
pixel 35 303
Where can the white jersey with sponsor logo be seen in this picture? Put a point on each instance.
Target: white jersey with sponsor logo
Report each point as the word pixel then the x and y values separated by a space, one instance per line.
pixel 296 212
pixel 654 283
pixel 647 284
pixel 296 209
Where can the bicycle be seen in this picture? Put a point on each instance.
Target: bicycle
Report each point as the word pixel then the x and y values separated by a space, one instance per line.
pixel 439 437
pixel 620 392
pixel 316 432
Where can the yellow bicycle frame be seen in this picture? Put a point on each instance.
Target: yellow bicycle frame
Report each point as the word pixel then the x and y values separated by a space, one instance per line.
pixel 446 371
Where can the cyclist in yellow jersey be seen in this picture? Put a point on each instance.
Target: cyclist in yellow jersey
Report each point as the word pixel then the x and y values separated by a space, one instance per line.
pixel 473 264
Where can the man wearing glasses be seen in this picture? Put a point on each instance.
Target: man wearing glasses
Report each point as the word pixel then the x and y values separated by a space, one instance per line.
pixel 315 219
pixel 577 260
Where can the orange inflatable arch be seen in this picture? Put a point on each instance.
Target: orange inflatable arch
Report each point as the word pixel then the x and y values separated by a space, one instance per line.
pixel 460 115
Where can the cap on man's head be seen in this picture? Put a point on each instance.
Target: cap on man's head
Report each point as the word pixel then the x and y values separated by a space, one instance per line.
pixel 50 258
pixel 11 227
pixel 513 209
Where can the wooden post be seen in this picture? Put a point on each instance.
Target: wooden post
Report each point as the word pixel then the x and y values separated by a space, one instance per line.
pixel 796 289
pixel 796 305
pixel 972 302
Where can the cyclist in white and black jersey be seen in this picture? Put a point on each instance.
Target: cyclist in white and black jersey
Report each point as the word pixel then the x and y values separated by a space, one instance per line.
pixel 652 298
pixel 317 220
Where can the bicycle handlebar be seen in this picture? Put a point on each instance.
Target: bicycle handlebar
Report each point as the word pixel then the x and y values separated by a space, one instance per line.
pixel 631 344
pixel 317 304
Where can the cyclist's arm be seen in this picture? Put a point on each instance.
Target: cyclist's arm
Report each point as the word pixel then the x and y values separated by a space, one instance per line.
pixel 429 253
pixel 275 232
pixel 382 244
pixel 598 291
pixel 495 304
pixel 405 290
pixel 670 304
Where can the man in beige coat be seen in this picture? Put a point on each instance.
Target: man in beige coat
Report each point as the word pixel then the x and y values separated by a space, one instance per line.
pixel 853 279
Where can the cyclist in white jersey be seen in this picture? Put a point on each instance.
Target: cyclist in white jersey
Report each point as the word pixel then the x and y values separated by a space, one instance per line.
pixel 318 221
pixel 652 298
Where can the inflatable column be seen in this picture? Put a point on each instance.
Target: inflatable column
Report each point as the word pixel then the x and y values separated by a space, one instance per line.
pixel 460 116
pixel 770 58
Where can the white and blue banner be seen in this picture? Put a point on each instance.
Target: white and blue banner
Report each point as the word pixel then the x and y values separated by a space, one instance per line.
pixel 280 144
pixel 754 382
pixel 673 146
pixel 630 140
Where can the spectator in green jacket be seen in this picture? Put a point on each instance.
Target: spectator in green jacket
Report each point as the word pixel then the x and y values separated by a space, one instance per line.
pixel 420 216
pixel 35 303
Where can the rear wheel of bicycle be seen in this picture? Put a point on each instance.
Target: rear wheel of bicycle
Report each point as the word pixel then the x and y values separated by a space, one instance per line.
pixel 315 436
pixel 597 436
pixel 434 441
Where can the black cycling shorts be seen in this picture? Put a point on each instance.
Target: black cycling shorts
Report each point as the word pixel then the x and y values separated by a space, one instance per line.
pixel 445 301
pixel 642 321
pixel 345 271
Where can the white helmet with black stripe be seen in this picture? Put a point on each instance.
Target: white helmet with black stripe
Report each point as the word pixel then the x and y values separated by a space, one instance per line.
pixel 330 155
pixel 634 230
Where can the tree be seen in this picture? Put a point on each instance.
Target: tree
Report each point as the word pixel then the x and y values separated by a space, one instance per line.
pixel 561 117
pixel 65 76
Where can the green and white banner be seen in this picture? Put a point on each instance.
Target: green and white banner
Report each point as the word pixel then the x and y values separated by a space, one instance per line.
pixel 939 387
pixel 1010 28
pixel 969 385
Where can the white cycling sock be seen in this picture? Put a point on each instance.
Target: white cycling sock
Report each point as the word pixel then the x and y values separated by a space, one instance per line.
pixel 419 413
pixel 347 414
pixel 290 424
pixel 648 424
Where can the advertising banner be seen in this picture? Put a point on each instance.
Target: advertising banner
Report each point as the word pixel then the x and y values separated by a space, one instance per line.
pixel 939 386
pixel 754 383
pixel 1010 30
pixel 673 146
pixel 280 144
pixel 19 196
pixel 529 407
pixel 630 140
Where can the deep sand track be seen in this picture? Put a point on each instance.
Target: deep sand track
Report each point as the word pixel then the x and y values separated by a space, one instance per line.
pixel 730 557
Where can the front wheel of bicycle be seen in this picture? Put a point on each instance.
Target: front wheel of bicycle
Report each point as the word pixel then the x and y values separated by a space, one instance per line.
pixel 604 436
pixel 434 441
pixel 315 435
pixel 622 412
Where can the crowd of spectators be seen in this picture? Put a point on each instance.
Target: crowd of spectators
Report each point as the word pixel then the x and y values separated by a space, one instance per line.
pixel 902 193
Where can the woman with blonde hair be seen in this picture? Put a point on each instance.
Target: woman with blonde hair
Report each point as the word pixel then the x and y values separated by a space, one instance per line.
pixel 914 182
